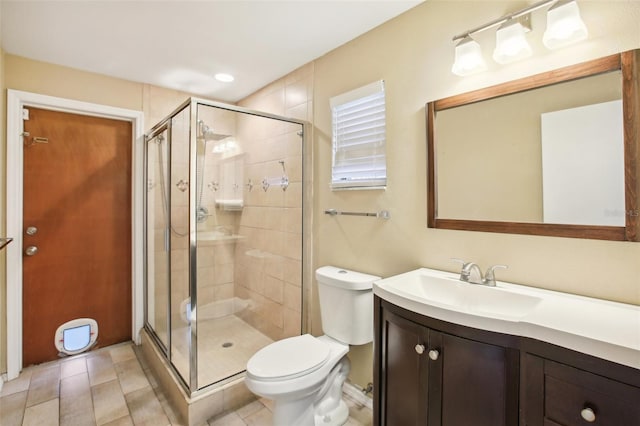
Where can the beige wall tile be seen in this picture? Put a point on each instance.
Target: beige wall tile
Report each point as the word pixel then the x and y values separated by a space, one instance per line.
pixel 293 271
pixel 292 322
pixel 293 220
pixel 292 297
pixel 203 409
pixel 293 246
pixel 274 289
pixel 224 273
pixel 236 395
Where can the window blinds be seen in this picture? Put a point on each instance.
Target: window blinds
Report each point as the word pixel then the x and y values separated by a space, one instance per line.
pixel 359 127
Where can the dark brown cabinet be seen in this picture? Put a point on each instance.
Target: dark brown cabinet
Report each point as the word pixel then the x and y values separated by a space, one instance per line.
pixel 556 394
pixel 437 378
pixel 435 373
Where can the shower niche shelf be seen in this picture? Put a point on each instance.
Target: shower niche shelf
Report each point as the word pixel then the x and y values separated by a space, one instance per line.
pixel 214 237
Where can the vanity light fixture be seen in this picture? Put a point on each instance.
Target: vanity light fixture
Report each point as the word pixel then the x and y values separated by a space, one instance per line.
pixel 469 58
pixel 511 42
pixel 564 27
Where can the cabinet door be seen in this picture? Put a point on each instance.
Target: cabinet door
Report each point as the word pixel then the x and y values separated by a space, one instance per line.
pixel 476 383
pixel 556 394
pixel 404 377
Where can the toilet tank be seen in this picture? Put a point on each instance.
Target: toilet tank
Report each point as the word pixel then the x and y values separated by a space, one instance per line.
pixel 346 304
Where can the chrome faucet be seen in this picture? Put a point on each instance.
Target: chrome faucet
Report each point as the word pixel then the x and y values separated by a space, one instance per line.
pixel 472 274
pixel 490 276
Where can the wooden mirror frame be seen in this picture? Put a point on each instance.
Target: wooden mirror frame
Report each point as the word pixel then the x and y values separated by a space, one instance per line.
pixel 628 63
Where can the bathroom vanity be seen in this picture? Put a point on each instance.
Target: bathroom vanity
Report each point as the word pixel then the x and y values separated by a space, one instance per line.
pixel 457 354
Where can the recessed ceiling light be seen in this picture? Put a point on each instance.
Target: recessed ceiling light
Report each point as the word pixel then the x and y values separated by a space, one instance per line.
pixel 225 78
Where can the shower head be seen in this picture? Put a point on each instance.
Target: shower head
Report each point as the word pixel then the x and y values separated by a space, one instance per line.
pixel 207 134
pixel 210 135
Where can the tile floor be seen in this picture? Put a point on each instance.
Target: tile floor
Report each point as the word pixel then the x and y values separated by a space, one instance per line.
pixel 112 386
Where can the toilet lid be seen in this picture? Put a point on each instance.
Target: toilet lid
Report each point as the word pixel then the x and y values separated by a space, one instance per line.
pixel 290 357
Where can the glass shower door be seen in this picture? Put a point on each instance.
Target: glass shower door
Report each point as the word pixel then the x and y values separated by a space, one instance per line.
pixel 180 261
pixel 157 237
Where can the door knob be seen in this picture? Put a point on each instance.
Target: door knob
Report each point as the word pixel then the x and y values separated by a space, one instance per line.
pixel 31 250
pixel 419 349
pixel 434 354
pixel 31 230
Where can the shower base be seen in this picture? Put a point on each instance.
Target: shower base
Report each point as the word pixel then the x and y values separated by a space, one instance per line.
pixel 225 345
pixel 194 409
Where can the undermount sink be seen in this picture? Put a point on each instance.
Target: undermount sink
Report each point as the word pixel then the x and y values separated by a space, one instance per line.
pixel 444 290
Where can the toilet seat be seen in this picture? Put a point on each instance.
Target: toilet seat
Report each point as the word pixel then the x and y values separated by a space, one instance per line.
pixel 289 358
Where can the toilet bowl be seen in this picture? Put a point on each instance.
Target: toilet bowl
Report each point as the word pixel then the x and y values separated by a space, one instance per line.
pixel 304 374
pixel 294 371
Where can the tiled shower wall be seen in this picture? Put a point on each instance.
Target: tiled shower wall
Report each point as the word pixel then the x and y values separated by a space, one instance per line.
pixel 216 258
pixel 263 266
pixel 268 268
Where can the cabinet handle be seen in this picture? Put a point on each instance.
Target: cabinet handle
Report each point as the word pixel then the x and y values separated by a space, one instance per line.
pixel 588 415
pixel 434 354
pixel 420 349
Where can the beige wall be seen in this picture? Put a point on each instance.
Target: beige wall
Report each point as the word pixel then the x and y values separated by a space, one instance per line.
pixel 413 54
pixel 54 80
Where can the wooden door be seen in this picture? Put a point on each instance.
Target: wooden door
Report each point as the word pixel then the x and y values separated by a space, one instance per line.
pixel 77 194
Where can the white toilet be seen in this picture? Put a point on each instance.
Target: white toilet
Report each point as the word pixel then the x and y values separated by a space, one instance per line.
pixel 304 374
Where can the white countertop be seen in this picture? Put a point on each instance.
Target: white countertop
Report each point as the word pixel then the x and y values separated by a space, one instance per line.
pixel 601 328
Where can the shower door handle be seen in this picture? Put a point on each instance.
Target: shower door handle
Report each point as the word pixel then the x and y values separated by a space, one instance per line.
pixel 31 250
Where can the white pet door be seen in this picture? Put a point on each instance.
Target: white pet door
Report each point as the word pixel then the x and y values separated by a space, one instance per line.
pixel 76 336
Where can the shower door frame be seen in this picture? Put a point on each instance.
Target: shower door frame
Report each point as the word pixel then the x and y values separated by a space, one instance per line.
pixel 16 101
pixel 165 124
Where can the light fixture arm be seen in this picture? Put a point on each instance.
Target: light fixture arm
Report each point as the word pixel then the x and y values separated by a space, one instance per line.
pixel 505 18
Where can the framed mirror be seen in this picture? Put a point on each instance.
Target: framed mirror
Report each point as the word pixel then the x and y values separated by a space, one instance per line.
pixel 553 154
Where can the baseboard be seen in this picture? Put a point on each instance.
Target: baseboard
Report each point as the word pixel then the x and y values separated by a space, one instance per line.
pixel 3 378
pixel 356 394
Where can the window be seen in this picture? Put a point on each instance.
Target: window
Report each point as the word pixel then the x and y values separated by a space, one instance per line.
pixel 359 128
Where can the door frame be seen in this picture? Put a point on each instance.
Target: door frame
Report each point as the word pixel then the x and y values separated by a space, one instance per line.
pixel 16 101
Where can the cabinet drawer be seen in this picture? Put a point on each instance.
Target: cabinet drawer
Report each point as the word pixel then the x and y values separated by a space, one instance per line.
pixel 568 391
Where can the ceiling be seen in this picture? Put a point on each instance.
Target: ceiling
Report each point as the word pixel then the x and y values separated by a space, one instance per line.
pixel 182 44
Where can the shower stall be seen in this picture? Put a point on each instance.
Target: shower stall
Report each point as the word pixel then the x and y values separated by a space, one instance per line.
pixel 224 238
